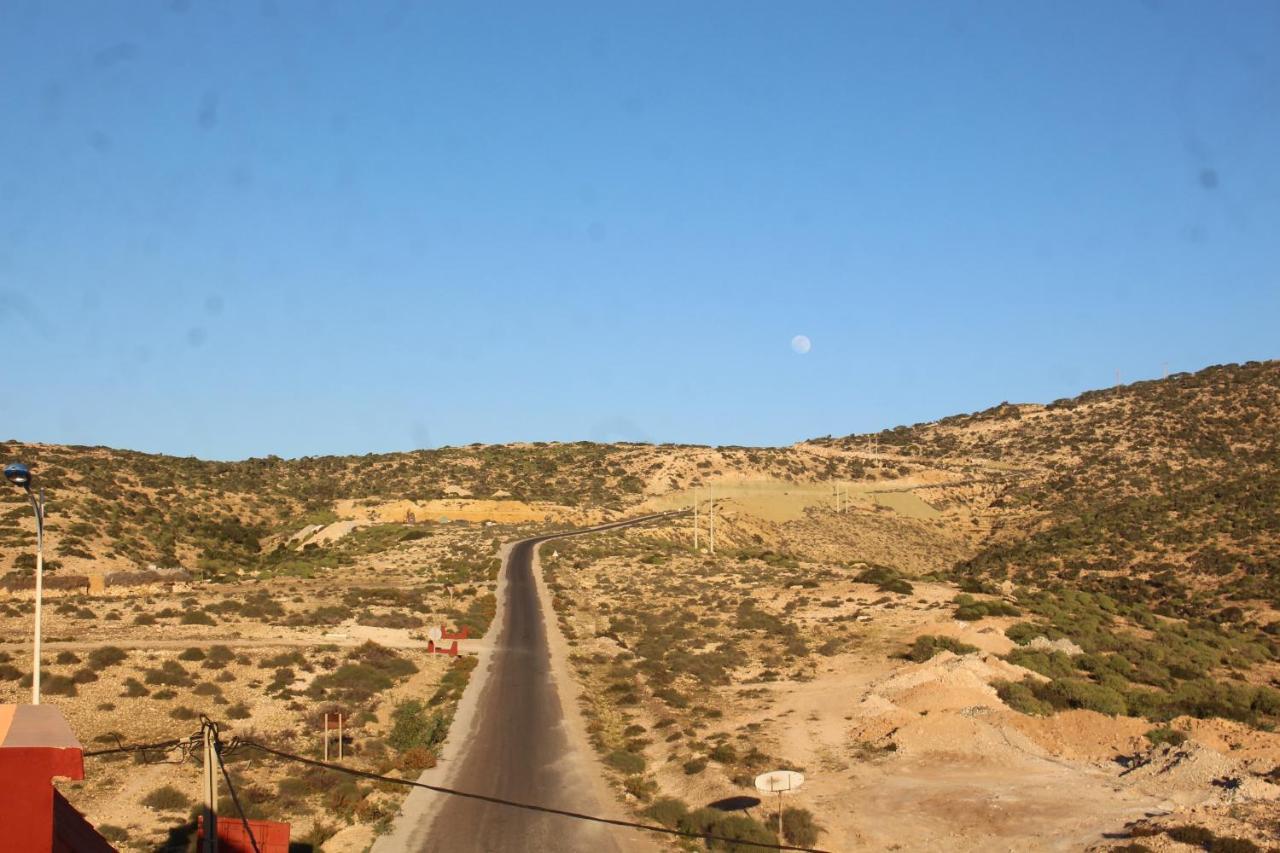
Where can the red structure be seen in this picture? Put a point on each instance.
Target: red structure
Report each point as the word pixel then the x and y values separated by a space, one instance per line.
pixel 37 746
pixel 446 634
pixel 272 837
pixel 451 651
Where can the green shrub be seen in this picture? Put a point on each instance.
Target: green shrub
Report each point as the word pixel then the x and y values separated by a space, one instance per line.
pixel 133 689
pixel 191 654
pixel 667 811
pixel 1078 693
pixel 167 799
pixel 625 762
pixel 106 656
pixel 218 657
pixel 413 726
pixel 57 685
pixel 170 674
pixel 1164 734
pixel 640 787
pixel 1021 697
pixel 196 617
pixel 114 834
pixel 798 827
pixel 694 766
pixel 928 645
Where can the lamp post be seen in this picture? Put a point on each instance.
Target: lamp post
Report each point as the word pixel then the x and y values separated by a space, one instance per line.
pixel 20 475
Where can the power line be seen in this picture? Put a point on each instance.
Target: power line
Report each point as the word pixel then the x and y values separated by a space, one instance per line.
pixel 364 774
pixel 244 821
pixel 139 747
pixel 237 743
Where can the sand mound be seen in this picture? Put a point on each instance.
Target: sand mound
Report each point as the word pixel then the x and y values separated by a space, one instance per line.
pixel 1084 735
pixel 1192 773
pixel 943 706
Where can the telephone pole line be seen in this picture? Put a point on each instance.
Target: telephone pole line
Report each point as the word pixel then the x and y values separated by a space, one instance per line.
pixel 711 498
pixel 695 521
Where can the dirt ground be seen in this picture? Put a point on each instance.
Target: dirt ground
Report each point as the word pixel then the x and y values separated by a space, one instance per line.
pixel 897 754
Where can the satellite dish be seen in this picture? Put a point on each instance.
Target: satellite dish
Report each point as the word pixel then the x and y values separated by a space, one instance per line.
pixel 434 633
pixel 779 781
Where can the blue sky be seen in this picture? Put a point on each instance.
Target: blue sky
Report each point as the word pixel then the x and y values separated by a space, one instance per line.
pixel 233 229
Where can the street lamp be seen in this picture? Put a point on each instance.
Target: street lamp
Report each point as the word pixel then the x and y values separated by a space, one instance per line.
pixel 20 475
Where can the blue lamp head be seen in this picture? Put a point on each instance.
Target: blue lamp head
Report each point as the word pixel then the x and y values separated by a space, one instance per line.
pixel 18 474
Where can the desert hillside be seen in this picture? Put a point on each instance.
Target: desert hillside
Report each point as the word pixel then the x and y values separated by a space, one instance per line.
pixel 1084 594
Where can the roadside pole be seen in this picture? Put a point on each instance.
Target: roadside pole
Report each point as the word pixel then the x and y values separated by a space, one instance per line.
pixel 695 521
pixel 711 498
pixel 210 791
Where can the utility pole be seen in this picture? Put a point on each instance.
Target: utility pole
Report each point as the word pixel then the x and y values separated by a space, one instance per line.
pixel 695 521
pixel 210 789
pixel 339 737
pixel 20 475
pixel 326 736
pixel 711 498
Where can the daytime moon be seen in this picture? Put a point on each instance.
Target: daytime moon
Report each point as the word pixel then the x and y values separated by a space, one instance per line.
pixel 801 344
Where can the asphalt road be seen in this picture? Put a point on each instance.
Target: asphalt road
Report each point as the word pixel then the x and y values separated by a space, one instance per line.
pixel 519 748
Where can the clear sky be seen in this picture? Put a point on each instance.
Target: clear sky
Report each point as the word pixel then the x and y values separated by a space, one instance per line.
pixel 241 228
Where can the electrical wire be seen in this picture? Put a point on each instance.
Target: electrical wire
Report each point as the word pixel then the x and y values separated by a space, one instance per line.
pixel 140 747
pixel 244 821
pixel 364 774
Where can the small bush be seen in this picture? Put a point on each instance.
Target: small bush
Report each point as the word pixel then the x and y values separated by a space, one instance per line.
pixel 114 834
pixel 798 827
pixel 170 674
pixel 57 685
pixel 167 799
pixel 667 811
pixel 191 654
pixel 694 766
pixel 417 758
pixel 625 762
pixel 196 617
pixel 134 689
pixel 238 711
pixel 640 787
pixel 413 727
pixel 928 645
pixel 1164 734
pixel 107 656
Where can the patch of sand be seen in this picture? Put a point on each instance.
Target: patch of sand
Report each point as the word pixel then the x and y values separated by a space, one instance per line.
pixel 452 509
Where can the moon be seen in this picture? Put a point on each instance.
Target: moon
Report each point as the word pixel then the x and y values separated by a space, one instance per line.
pixel 801 344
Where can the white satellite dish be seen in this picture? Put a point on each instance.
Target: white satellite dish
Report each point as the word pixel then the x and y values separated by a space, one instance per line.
pixel 779 781
pixel 434 633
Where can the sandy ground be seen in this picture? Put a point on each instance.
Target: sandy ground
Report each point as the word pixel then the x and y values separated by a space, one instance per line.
pixel 454 509
pixel 587 762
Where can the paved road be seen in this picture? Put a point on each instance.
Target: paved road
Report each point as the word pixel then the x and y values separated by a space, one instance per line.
pixel 519 748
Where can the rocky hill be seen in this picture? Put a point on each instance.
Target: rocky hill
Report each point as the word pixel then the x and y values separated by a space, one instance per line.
pixel 1165 490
